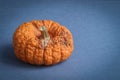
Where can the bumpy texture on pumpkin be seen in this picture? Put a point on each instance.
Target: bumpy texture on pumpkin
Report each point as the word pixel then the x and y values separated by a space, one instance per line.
pixel 27 42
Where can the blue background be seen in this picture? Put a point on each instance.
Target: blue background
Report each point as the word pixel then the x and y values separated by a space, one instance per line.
pixel 95 25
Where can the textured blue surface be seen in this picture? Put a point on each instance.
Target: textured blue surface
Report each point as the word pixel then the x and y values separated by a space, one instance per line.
pixel 96 31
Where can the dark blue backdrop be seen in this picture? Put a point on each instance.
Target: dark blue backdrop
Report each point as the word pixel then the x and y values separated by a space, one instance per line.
pixel 95 25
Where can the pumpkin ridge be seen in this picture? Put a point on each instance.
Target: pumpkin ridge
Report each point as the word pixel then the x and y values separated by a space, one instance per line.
pixel 51 28
pixel 50 24
pixel 61 53
pixel 57 29
pixel 25 51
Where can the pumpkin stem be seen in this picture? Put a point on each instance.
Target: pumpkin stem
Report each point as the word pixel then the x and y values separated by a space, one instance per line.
pixel 45 35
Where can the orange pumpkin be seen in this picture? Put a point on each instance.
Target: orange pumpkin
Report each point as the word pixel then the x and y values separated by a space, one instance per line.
pixel 42 42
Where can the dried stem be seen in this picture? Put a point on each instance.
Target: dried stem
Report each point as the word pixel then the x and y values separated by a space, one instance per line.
pixel 45 35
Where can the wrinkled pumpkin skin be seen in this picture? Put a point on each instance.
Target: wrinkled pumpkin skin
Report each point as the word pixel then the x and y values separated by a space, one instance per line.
pixel 27 43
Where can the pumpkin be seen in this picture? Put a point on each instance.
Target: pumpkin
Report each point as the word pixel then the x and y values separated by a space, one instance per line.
pixel 42 42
